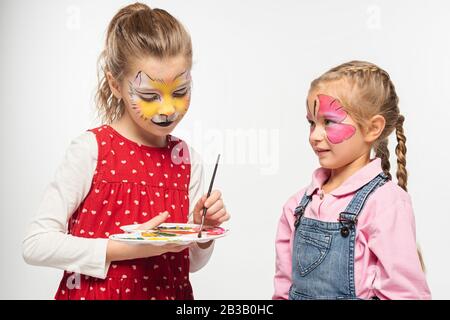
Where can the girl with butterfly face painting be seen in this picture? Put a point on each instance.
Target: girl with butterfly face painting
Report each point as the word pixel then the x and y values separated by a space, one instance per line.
pixel 350 234
pixel 130 170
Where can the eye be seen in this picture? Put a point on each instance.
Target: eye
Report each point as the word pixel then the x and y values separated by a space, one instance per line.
pixel 311 123
pixel 180 92
pixel 149 97
pixel 327 122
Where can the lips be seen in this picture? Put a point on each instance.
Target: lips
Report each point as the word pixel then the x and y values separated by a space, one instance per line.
pixel 320 151
pixel 163 120
pixel 163 124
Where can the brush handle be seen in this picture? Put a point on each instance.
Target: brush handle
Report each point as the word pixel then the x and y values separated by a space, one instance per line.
pixel 207 196
pixel 211 183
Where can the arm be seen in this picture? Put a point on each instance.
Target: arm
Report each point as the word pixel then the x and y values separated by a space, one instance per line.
pixel 283 247
pixel 46 242
pixel 199 253
pixel 393 241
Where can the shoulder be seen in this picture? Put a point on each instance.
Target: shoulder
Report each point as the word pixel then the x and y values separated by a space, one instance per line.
pixel 195 157
pixel 85 143
pixel 99 129
pixel 80 158
pixel 389 205
pixel 293 201
pixel 287 218
pixel 390 193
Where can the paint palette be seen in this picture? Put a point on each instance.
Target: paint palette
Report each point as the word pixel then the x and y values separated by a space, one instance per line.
pixel 177 233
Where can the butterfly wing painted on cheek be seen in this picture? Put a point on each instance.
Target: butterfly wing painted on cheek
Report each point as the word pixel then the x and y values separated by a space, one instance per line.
pixel 331 109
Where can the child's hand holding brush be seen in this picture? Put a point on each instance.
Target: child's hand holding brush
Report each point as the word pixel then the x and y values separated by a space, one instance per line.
pixel 216 212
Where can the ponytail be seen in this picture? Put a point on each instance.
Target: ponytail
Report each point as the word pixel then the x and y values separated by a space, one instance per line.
pixel 109 107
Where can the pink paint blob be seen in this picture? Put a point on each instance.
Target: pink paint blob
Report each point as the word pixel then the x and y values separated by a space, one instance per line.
pixel 330 109
pixel 338 133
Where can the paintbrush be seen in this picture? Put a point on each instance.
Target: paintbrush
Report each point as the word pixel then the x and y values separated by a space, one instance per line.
pixel 207 196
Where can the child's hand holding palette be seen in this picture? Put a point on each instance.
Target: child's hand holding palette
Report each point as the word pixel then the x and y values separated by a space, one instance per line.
pixel 179 233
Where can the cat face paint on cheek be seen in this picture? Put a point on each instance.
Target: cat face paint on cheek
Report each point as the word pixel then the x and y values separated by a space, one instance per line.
pixel 156 99
pixel 330 109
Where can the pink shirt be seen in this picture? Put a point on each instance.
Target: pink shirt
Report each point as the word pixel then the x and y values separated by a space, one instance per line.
pixel 386 260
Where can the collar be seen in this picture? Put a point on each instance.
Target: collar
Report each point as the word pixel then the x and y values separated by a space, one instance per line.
pixel 352 184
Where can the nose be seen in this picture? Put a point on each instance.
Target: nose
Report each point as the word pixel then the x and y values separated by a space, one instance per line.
pixel 317 134
pixel 167 108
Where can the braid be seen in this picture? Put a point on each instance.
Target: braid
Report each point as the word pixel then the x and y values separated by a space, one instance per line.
pixel 382 152
pixel 400 150
pixel 363 69
pixel 402 174
pixel 354 69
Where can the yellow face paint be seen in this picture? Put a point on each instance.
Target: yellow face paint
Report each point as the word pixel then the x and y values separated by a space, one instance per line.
pixel 162 102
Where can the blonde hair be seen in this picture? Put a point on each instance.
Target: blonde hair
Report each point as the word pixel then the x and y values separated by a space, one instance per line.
pixel 369 91
pixel 136 31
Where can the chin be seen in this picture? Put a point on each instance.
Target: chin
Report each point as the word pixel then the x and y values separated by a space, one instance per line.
pixel 328 164
pixel 158 131
pixel 162 129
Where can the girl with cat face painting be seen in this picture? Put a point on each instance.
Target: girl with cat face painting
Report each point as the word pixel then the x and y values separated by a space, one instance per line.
pixel 130 170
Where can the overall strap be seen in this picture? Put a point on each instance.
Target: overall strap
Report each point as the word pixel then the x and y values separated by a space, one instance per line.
pixel 300 210
pixel 350 214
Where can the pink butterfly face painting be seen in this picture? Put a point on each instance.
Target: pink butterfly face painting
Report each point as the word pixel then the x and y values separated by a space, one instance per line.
pixel 332 114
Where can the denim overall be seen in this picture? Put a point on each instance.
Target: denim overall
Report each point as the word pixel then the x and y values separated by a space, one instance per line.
pixel 324 252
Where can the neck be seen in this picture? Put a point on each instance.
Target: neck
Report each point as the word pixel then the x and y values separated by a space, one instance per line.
pixel 127 127
pixel 339 175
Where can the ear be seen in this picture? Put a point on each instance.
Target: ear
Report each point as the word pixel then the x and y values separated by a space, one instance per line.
pixel 375 127
pixel 114 85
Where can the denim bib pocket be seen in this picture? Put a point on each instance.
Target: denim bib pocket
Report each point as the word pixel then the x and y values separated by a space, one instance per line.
pixel 311 250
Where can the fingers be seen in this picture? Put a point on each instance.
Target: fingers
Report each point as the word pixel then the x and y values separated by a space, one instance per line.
pixel 224 218
pixel 218 218
pixel 222 212
pixel 156 221
pixel 204 202
pixel 213 197
pixel 216 213
pixel 215 207
pixel 199 205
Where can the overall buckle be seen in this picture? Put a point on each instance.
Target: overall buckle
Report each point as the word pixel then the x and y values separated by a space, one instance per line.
pixel 347 225
pixel 299 211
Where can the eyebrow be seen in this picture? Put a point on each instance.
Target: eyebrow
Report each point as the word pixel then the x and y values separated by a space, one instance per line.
pixel 179 75
pixel 157 80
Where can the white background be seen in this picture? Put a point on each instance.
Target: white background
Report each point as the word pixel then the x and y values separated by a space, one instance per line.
pixel 253 61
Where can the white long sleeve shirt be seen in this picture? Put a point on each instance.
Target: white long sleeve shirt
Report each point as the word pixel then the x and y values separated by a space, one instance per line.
pixel 47 242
